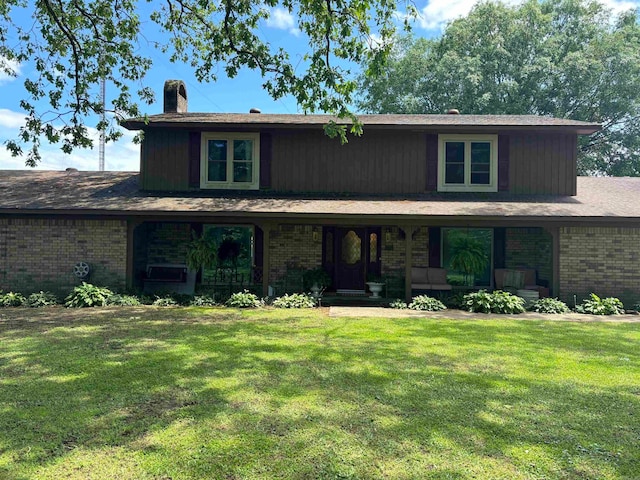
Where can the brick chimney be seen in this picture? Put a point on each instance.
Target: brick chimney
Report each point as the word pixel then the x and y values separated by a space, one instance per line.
pixel 175 97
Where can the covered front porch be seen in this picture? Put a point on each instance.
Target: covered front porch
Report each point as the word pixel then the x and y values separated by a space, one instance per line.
pixel 271 258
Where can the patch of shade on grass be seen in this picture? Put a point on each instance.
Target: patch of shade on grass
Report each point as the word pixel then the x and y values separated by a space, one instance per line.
pixel 215 393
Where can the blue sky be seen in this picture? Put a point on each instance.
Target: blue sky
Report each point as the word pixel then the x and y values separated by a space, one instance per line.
pixel 226 95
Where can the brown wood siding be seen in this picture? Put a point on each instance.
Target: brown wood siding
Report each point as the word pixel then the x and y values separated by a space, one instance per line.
pixel 542 163
pixel 165 164
pixel 380 162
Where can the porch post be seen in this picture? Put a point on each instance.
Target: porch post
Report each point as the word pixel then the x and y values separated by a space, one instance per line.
pixel 408 260
pixel 555 260
pixel 131 226
pixel 266 235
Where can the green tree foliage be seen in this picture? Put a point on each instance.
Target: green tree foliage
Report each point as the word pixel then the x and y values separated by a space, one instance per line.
pixel 73 44
pixel 564 58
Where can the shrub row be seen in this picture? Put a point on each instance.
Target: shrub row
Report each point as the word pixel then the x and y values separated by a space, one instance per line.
pixel 421 302
pixel 249 300
pixel 88 295
pixel 499 301
pixel 38 299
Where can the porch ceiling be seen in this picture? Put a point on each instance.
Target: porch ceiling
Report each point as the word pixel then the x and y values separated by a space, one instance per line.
pixel 117 193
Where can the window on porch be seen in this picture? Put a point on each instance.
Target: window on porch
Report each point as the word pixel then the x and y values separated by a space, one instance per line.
pixel 236 251
pixel 467 254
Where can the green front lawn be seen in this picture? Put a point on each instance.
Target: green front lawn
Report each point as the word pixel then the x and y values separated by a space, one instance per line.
pixel 184 393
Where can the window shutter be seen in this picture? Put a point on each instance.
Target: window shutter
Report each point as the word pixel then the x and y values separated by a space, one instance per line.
pixel 432 163
pixel 265 160
pixel 503 163
pixel 194 159
pixel 434 246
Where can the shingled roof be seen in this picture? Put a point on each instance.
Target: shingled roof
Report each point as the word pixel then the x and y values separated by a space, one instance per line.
pixel 399 121
pixel 117 193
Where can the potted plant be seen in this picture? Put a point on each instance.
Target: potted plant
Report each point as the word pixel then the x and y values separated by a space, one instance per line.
pixel 201 252
pixel 316 280
pixel 376 284
pixel 468 258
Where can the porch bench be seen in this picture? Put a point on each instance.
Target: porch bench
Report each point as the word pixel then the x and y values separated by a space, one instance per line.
pixel 429 278
pixel 172 277
pixel 529 280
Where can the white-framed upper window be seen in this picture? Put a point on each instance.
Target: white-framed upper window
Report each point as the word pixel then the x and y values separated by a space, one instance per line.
pixel 230 160
pixel 468 163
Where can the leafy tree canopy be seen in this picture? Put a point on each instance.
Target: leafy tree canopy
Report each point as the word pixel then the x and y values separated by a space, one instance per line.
pixel 564 58
pixel 73 44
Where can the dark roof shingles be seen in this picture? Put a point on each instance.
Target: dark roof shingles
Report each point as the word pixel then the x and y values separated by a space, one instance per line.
pixel 117 192
pixel 388 120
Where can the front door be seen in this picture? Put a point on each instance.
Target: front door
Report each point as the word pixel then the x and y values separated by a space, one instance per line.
pixel 351 247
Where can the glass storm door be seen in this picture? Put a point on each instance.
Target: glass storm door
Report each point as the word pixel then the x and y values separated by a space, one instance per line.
pixel 351 246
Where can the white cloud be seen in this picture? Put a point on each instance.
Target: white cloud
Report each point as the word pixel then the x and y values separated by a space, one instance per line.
pixel 437 13
pixel 122 155
pixel 11 65
pixel 282 19
pixel 11 119
pixel 619 6
pixel 376 41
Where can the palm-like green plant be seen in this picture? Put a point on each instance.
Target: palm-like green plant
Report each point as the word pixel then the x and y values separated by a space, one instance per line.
pixel 469 257
pixel 201 252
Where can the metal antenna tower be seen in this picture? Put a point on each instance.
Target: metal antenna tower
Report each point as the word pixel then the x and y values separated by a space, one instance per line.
pixel 101 147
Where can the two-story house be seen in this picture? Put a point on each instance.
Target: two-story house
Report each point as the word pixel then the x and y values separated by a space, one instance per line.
pixel 403 195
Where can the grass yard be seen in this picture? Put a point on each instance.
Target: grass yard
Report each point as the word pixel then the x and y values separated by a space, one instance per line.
pixel 146 393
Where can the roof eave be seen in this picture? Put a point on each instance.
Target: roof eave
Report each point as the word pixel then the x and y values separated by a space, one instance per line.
pixel 433 220
pixel 139 124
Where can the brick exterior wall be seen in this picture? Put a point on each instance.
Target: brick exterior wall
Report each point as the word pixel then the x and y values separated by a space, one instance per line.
pixel 158 243
pixel 293 247
pixel 167 242
pixel 530 248
pixel 393 252
pixel 39 254
pixel 602 260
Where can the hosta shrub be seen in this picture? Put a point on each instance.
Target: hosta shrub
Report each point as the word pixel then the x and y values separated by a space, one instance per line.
pixel 505 302
pixel 481 301
pixel 12 299
pixel 427 303
pixel 167 301
pixel 398 303
pixel 203 301
pixel 244 299
pixel 549 305
pixel 295 300
pixel 88 295
pixel 595 305
pixel 493 302
pixel 124 300
pixel 42 299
